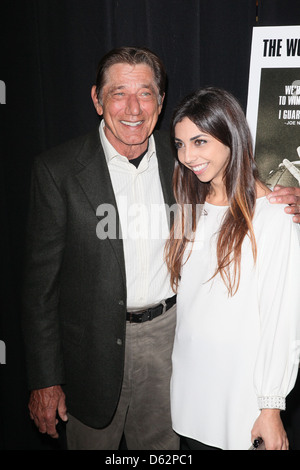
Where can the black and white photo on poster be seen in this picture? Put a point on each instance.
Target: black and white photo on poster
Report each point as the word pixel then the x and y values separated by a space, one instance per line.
pixel 273 109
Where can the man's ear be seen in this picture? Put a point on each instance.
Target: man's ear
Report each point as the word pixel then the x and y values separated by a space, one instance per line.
pixel 95 100
pixel 161 103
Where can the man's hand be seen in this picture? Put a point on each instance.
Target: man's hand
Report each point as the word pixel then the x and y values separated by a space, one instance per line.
pixel 43 406
pixel 290 196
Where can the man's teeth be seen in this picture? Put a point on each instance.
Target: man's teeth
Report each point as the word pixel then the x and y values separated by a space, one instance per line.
pixel 132 124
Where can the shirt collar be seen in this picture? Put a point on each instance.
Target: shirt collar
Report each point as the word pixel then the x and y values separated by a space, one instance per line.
pixel 111 153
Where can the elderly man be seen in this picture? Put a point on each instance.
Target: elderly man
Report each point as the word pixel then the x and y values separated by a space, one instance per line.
pixel 99 313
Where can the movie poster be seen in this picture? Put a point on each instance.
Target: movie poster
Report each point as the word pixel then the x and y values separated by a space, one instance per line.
pixel 273 108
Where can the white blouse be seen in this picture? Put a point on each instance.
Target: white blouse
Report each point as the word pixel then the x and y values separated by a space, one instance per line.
pixel 236 355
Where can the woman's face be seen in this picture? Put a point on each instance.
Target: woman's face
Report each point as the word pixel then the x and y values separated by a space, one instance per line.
pixel 206 156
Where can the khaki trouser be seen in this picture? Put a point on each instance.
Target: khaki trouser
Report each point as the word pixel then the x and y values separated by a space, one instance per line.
pixel 143 412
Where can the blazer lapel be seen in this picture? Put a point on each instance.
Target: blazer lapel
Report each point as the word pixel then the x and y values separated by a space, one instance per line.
pixel 166 162
pixel 95 182
pixel 94 179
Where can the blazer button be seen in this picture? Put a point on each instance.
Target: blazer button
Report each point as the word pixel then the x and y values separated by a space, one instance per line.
pixel 119 342
pixel 121 302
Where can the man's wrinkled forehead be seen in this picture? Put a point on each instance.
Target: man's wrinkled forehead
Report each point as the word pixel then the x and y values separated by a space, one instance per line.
pixel 121 74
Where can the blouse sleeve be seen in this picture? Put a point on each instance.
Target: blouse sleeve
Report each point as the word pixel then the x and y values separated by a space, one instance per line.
pixel 278 268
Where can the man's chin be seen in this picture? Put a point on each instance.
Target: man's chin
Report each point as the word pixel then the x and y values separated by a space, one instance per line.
pixel 132 148
pixel 125 144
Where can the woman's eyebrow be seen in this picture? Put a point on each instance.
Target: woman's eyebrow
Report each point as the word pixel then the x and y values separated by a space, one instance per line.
pixel 198 136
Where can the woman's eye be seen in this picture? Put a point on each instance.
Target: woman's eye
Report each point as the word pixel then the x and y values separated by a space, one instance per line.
pixel 178 145
pixel 199 142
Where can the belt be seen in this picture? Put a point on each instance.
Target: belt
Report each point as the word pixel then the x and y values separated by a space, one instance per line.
pixel 153 312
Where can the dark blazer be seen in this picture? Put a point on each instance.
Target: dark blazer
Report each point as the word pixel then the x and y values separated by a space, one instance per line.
pixel 75 285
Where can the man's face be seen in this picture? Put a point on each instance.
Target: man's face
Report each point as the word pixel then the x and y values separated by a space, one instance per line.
pixel 130 107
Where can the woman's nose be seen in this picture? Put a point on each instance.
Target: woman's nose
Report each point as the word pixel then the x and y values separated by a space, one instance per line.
pixel 190 155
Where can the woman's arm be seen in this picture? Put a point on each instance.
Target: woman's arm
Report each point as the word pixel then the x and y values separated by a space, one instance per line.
pixel 278 276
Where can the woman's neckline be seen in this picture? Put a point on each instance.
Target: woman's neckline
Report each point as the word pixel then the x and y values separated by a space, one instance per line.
pixel 226 206
pixel 261 192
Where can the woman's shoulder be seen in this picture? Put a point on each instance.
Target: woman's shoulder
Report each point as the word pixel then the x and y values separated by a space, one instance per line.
pixel 267 209
pixel 273 218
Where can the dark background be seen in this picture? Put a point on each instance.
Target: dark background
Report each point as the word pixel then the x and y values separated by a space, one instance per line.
pixel 48 57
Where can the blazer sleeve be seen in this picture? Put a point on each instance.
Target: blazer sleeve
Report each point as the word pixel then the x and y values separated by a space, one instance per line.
pixel 43 259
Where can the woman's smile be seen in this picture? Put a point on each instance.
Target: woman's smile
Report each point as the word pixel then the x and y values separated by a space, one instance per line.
pixel 199 169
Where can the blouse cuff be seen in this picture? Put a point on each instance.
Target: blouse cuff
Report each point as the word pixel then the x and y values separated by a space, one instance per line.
pixel 271 402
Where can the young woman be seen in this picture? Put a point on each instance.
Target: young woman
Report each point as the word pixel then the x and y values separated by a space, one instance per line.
pixel 236 274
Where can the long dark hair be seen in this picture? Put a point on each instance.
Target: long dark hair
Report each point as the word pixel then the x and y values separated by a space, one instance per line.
pixel 216 112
